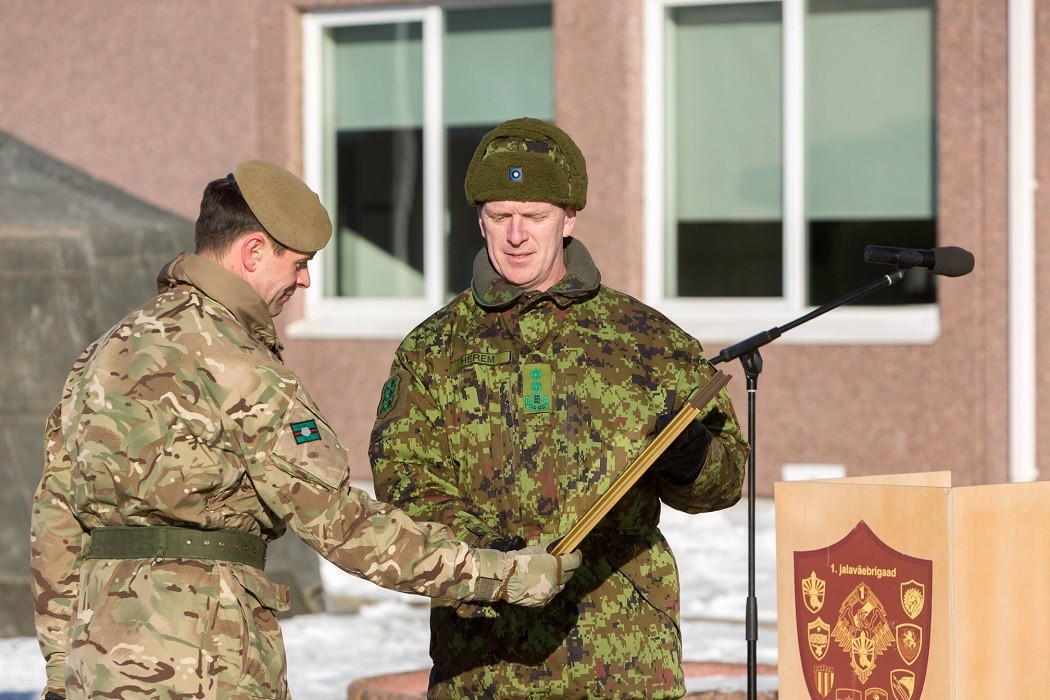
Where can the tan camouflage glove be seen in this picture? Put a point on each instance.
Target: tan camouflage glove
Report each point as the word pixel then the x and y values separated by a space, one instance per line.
pixel 530 577
pixel 533 577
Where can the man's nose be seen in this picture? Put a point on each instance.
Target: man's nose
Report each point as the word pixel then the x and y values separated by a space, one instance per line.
pixel 517 234
pixel 303 278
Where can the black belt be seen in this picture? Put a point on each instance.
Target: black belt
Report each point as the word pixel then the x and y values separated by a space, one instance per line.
pixel 169 542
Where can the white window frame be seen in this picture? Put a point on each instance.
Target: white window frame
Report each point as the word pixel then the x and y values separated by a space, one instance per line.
pixel 376 317
pixel 726 320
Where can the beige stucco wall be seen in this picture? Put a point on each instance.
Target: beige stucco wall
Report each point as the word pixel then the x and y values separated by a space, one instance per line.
pixel 159 97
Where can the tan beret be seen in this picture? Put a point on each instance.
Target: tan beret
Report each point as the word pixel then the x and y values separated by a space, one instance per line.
pixel 289 210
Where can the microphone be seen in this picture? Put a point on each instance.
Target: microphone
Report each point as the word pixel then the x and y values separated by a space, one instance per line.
pixel 949 261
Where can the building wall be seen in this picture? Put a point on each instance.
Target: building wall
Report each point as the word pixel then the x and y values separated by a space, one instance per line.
pixel 1042 214
pixel 159 97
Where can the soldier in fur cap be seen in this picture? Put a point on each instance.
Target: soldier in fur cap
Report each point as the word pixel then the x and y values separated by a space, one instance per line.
pixel 511 410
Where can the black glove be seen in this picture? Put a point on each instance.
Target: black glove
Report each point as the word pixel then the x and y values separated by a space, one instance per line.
pixel 507 544
pixel 52 695
pixel 683 459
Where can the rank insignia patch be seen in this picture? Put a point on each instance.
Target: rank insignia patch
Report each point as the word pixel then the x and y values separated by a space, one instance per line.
pixel 537 380
pixel 305 431
pixel 388 400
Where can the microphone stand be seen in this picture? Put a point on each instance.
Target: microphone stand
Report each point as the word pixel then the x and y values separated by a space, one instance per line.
pixel 747 351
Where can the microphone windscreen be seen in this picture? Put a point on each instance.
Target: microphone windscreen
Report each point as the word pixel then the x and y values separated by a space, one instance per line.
pixel 952 261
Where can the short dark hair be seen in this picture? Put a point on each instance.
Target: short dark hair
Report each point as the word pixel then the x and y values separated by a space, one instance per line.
pixel 225 217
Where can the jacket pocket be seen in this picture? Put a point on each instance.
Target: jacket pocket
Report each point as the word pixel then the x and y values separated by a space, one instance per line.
pixel 270 595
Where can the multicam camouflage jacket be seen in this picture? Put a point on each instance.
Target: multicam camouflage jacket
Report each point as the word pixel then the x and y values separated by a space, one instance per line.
pixel 509 413
pixel 184 415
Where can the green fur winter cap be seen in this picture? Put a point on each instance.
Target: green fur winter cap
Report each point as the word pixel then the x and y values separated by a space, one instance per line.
pixel 527 160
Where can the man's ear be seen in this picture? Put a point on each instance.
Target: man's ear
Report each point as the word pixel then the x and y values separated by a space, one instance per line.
pixel 570 222
pixel 250 250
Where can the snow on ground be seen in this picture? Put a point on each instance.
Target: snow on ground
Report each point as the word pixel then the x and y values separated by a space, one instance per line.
pixel 389 634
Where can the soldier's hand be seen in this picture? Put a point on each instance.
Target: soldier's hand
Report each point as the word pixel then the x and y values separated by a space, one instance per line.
pixel 683 459
pixel 532 577
pixel 507 544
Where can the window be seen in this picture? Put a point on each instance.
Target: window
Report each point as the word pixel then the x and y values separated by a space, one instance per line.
pixel 396 101
pixel 789 135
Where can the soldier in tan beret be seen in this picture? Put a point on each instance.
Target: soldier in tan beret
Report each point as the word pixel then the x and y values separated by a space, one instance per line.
pixel 182 444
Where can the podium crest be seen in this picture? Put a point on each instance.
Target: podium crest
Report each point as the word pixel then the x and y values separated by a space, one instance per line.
pixel 902 681
pixel 819 635
pixel 877 601
pixel 913 598
pixel 909 641
pixel 813 592
pixel 823 680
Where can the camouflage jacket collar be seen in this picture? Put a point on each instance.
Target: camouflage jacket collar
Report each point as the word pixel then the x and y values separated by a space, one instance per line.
pixel 581 280
pixel 226 288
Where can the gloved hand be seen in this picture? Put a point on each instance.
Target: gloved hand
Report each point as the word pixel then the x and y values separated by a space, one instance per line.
pixel 683 459
pixel 531 577
pixel 507 544
pixel 52 695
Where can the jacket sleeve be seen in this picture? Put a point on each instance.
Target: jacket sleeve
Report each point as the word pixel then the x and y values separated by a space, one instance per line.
pixel 721 478
pixel 412 463
pixel 305 479
pixel 57 541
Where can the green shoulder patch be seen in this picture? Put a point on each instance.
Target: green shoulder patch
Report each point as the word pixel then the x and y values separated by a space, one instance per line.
pixel 305 431
pixel 389 398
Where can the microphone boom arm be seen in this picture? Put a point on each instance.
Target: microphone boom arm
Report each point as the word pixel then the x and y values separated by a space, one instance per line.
pixel 768 336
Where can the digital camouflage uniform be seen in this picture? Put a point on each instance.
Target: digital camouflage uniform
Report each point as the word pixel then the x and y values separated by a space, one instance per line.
pixel 184 415
pixel 509 413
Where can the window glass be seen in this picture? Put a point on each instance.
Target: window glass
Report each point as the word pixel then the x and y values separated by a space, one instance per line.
pixel 724 152
pixel 496 66
pixel 865 169
pixel 870 160
pixel 375 175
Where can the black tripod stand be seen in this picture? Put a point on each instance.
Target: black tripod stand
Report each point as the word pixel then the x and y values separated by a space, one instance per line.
pixel 747 351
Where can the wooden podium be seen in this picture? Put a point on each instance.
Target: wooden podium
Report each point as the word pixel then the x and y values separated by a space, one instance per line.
pixel 902 587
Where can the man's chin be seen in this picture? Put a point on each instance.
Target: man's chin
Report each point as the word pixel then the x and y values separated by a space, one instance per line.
pixel 278 306
pixel 519 278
